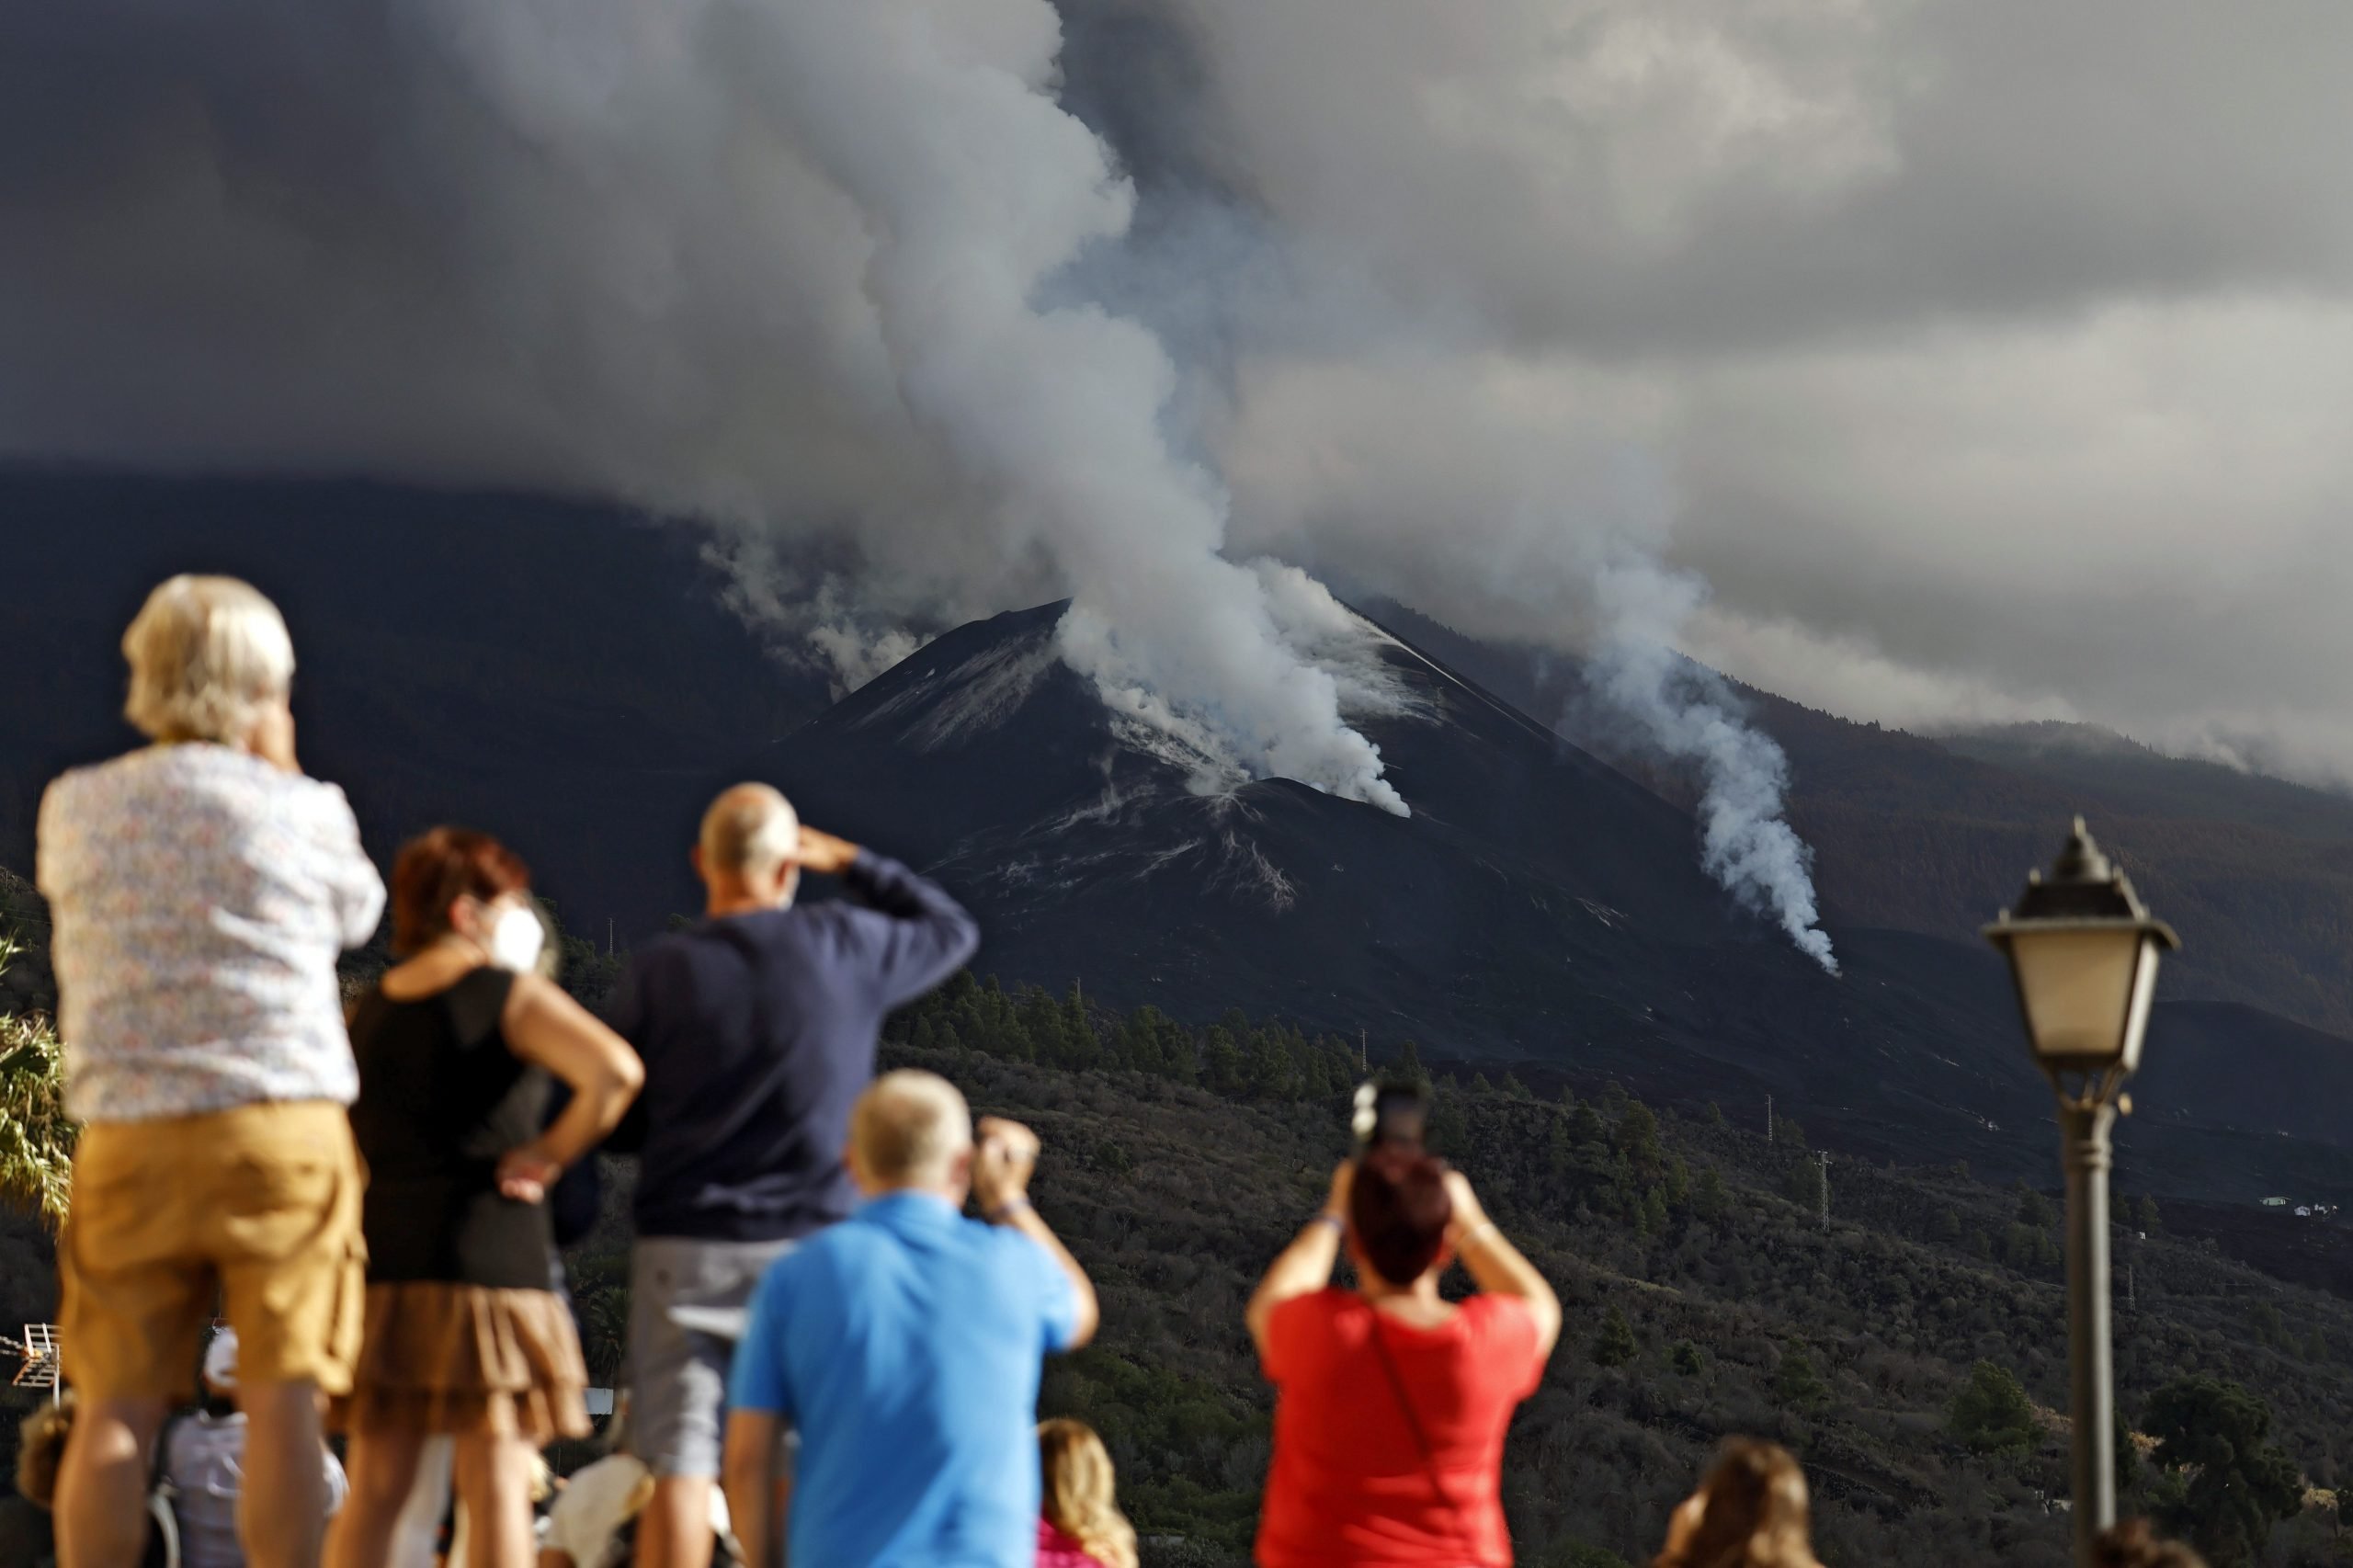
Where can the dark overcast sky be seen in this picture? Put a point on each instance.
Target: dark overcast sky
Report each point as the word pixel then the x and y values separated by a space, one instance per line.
pixel 1988 357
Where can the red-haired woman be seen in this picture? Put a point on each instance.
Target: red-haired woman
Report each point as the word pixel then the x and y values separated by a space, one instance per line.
pixel 1391 1402
pixel 465 1335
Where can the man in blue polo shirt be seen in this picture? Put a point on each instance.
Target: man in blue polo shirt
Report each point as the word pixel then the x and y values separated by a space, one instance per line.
pixel 903 1345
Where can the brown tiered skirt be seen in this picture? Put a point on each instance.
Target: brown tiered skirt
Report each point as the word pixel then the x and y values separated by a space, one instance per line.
pixel 462 1358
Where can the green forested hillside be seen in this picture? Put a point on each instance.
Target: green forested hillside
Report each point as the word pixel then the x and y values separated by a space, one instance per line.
pixel 1704 1297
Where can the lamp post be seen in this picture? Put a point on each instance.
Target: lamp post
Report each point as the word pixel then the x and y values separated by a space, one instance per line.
pixel 2084 951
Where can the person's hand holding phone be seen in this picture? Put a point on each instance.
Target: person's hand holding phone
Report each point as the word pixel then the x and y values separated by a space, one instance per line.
pixel 1336 1203
pixel 1468 1215
pixel 1004 1154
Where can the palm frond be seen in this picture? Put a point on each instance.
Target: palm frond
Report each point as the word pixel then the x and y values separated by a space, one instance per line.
pixel 35 1135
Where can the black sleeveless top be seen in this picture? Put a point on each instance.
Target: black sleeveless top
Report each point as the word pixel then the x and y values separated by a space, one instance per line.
pixel 441 1098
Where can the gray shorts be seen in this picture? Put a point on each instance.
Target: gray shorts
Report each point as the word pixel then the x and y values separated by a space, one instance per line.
pixel 686 1304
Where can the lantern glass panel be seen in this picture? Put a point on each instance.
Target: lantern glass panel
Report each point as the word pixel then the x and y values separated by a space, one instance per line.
pixel 2078 989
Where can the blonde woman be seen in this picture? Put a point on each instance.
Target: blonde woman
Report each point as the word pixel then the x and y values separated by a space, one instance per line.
pixel 200 889
pixel 1082 1526
pixel 1750 1512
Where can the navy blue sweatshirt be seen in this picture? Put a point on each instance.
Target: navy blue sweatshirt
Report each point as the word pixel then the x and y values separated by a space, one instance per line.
pixel 757 1032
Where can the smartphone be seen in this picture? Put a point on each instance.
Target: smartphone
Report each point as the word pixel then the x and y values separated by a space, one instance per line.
pixel 1389 1113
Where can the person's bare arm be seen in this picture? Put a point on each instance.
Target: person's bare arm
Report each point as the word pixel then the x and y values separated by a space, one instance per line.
pixel 550 1030
pixel 1005 1155
pixel 1304 1267
pixel 1497 1267
pixel 747 1473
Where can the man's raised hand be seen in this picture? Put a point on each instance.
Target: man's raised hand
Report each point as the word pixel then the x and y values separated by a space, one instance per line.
pixel 822 853
pixel 1004 1154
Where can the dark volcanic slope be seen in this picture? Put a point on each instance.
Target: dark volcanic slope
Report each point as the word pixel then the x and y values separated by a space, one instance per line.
pixel 560 674
pixel 1933 835
pixel 1537 906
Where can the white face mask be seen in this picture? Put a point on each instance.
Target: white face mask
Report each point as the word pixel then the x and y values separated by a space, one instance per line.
pixel 516 940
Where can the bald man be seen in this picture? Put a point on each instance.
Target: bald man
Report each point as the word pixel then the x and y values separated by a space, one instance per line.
pixel 758 1028
pixel 905 1346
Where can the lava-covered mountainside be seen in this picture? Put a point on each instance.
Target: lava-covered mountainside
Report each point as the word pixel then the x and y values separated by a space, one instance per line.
pixel 1537 905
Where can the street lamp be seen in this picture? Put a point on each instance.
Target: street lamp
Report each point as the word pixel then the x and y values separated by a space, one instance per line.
pixel 2084 952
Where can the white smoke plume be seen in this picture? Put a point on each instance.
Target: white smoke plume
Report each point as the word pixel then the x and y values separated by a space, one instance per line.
pixel 1686 712
pixel 788 268
pixel 975 187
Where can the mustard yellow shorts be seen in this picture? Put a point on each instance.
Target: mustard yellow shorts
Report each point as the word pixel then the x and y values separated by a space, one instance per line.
pixel 256 1208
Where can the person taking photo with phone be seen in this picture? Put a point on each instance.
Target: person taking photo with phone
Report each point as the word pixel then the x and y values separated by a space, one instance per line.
pixel 1390 1401
pixel 904 1347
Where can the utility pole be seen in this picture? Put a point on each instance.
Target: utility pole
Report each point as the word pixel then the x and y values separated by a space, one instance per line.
pixel 1364 1049
pixel 1823 1161
pixel 608 936
pixel 1768 1118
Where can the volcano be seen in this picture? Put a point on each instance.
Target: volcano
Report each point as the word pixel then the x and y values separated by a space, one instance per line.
pixel 564 677
pixel 1537 909
pixel 1537 906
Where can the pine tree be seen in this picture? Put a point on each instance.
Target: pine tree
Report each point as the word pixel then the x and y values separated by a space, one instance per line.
pixel 1410 1068
pixel 1637 1140
pixel 1614 1346
pixel 1515 1088
pixel 1222 1069
pixel 1586 1127
pixel 1450 1125
pixel 1797 1384
pixel 2235 1482
pixel 1991 1413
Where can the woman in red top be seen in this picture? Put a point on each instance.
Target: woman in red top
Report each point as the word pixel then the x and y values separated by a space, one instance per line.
pixel 1391 1402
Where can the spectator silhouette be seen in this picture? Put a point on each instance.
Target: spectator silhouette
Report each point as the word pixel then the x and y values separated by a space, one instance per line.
pixel 465 1336
pixel 1391 1402
pixel 204 1460
pixel 28 1533
pixel 757 1028
pixel 1750 1512
pixel 200 889
pixel 1080 1525
pixel 905 1346
pixel 2133 1544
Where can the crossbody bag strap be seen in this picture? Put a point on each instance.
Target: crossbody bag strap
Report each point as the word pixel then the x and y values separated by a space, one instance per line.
pixel 1421 1438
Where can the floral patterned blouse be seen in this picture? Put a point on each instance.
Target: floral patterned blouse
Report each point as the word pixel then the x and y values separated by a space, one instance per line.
pixel 197 898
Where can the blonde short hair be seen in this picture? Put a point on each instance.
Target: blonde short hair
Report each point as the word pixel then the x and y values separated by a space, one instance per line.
pixel 750 828
pixel 209 656
pixel 909 1126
